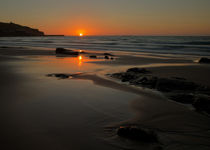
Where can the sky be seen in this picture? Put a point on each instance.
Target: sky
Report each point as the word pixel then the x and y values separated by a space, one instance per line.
pixel 110 17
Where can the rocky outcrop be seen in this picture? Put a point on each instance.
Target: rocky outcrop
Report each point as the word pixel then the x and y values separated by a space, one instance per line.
pixel 12 29
pixel 175 88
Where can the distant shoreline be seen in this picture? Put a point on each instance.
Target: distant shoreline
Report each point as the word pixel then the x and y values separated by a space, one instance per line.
pixel 33 36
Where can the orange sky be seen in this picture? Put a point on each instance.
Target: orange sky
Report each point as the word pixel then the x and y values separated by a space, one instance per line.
pixel 110 17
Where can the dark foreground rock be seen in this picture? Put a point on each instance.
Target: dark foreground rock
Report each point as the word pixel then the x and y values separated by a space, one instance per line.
pixel 168 85
pixel 202 104
pixel 185 98
pixel 136 133
pixel 138 70
pixel 204 60
pixel 66 52
pixel 59 75
pixel 175 88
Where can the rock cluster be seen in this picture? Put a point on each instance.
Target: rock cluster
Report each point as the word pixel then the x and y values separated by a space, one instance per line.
pixel 177 89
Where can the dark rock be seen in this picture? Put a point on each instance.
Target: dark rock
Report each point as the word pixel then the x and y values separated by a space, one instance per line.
pixel 82 52
pixel 106 57
pixel 178 78
pixel 117 75
pixel 202 104
pixel 184 98
pixel 146 81
pixel 135 133
pixel 138 70
pixel 93 56
pixel 66 51
pixel 108 54
pixel 60 75
pixel 125 77
pixel 168 85
pixel 158 148
pixel 203 89
pixel 204 60
pixel 112 58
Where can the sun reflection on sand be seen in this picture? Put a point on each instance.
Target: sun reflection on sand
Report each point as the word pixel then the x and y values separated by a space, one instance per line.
pixel 80 60
pixel 80 63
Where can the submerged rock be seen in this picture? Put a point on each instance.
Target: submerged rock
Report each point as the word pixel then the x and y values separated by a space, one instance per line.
pixel 204 60
pixel 66 51
pixel 135 133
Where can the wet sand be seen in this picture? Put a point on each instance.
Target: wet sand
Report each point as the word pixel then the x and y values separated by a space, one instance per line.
pixel 84 112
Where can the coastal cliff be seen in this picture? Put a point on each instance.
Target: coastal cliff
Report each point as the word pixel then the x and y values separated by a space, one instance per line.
pixel 12 29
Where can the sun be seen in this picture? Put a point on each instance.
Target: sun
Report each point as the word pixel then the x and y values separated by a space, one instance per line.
pixel 81 34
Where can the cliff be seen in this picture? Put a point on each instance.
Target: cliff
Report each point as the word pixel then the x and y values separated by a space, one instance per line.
pixel 12 29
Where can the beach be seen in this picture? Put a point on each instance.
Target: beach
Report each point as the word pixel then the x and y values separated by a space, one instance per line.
pixel 84 108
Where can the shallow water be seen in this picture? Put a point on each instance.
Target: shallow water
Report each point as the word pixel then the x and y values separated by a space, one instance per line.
pixel 39 112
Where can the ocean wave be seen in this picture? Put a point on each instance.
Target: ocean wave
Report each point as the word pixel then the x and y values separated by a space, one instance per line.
pixel 171 45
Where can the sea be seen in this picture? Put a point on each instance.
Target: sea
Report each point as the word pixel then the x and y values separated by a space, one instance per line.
pixel 185 45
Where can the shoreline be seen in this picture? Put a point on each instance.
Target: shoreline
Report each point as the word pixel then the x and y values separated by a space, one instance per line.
pixel 152 110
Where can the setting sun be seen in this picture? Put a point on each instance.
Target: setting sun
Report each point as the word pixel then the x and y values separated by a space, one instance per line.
pixel 81 34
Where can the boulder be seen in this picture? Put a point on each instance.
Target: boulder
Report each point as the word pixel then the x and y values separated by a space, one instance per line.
pixel 106 57
pixel 204 60
pixel 136 133
pixel 66 51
